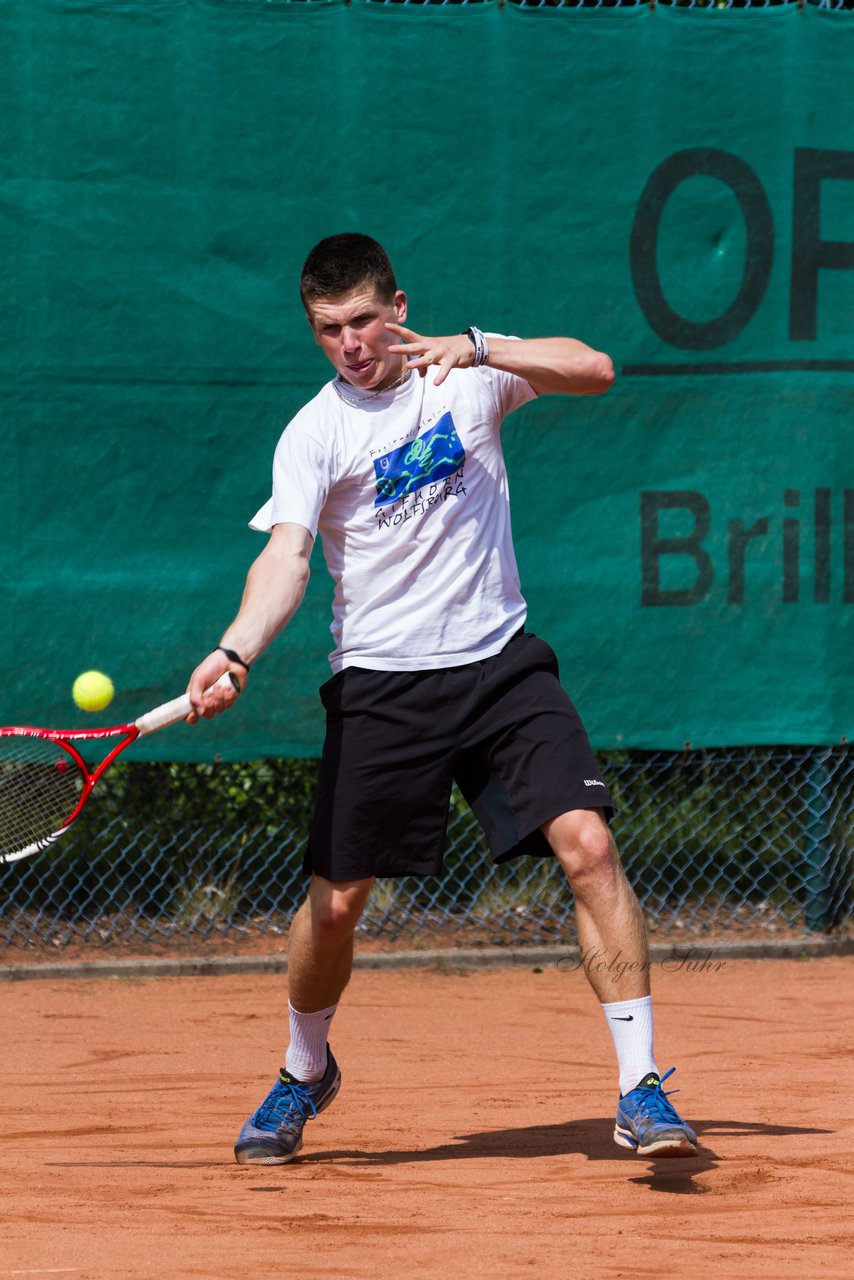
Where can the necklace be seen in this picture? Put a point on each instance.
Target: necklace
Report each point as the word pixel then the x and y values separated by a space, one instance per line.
pixel 351 398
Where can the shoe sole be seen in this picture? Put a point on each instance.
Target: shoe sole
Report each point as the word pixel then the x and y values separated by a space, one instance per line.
pixel 249 1154
pixel 663 1147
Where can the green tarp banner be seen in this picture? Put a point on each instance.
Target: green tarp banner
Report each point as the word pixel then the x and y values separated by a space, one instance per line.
pixel 676 188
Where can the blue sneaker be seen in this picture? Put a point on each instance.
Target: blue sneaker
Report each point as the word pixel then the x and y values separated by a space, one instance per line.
pixel 273 1134
pixel 648 1124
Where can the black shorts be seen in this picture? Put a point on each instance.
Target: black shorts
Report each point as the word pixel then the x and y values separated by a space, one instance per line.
pixel 503 728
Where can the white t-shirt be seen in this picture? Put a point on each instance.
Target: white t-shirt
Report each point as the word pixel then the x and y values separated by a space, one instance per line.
pixel 408 490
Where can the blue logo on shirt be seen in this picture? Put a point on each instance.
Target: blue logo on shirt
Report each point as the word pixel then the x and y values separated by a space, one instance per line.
pixel 433 456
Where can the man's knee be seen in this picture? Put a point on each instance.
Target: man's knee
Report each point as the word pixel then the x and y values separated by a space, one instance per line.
pixel 335 907
pixel 584 845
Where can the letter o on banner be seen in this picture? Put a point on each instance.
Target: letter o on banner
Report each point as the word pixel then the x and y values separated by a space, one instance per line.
pixel 759 225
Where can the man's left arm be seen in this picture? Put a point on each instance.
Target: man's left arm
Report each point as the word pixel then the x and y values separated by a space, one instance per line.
pixel 553 366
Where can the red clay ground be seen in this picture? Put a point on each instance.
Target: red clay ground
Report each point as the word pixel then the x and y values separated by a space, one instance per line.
pixel 472 1136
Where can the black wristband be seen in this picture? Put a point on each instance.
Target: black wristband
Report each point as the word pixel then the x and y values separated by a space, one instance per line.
pixel 233 657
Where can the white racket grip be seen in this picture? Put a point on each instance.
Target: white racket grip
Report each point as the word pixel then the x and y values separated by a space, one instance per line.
pixel 179 708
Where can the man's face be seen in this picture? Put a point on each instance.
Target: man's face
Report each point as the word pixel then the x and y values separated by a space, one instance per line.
pixel 350 330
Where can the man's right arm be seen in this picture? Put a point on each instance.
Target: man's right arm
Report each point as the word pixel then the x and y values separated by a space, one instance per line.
pixel 275 586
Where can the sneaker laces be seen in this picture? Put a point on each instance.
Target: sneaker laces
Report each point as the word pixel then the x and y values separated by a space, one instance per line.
pixel 287 1098
pixel 653 1102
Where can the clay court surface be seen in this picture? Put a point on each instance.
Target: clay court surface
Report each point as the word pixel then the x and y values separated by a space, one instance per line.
pixel 472 1135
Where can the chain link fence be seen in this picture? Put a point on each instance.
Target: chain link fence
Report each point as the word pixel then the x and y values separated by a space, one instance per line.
pixel 738 843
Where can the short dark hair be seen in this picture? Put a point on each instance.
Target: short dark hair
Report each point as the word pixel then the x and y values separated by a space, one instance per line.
pixel 341 263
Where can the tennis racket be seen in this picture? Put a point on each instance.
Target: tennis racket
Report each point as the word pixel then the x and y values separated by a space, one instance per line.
pixel 45 782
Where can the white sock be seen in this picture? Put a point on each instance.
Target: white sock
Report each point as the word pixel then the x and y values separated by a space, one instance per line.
pixel 306 1055
pixel 630 1024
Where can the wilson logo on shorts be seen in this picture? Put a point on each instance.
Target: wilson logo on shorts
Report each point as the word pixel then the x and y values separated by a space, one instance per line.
pixel 433 456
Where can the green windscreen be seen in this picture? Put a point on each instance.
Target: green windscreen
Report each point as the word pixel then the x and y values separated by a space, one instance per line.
pixel 675 188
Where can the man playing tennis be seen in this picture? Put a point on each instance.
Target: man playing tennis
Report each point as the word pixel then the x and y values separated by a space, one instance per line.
pixel 397 464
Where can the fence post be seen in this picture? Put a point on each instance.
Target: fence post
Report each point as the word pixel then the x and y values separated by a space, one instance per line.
pixel 819 841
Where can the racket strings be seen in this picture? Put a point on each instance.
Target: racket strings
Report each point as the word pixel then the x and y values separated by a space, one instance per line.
pixel 40 787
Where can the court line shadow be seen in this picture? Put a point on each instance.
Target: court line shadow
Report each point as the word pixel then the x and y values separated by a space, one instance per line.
pixel 222 1163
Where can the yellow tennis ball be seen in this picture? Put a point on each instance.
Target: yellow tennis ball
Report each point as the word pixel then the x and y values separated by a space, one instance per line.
pixel 92 691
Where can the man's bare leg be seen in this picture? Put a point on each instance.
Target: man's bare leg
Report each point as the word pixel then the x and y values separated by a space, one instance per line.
pixel 320 945
pixel 610 922
pixel 320 960
pixel 615 955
